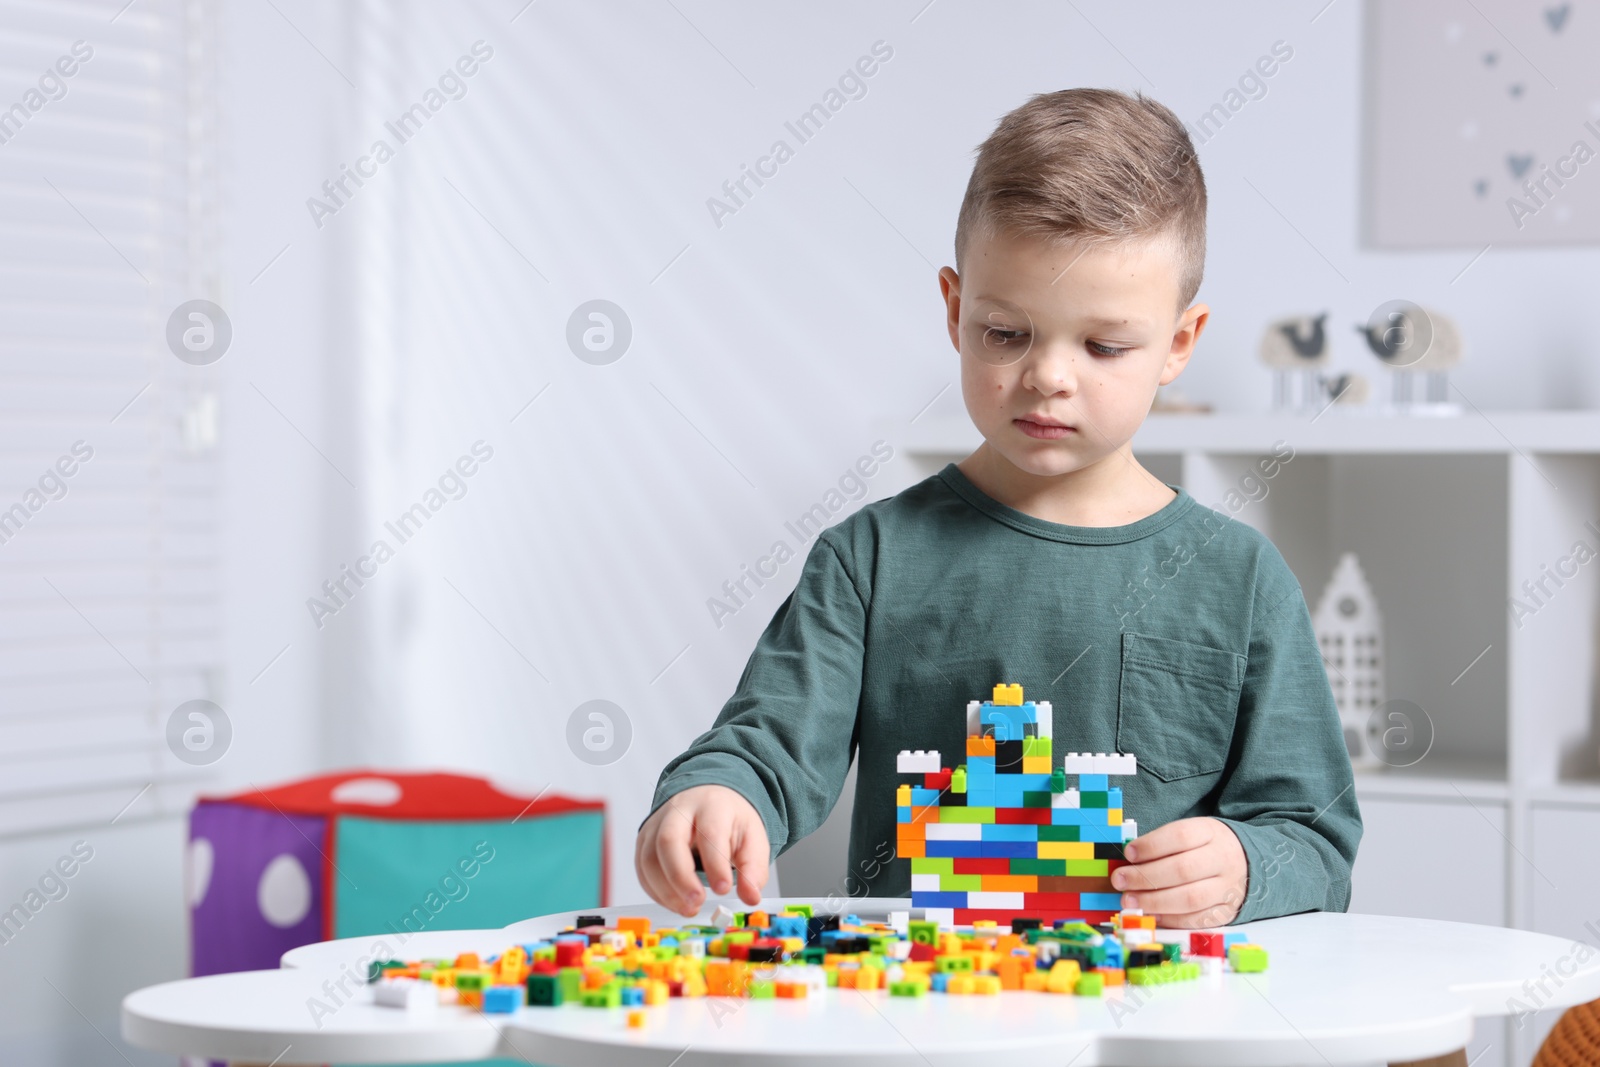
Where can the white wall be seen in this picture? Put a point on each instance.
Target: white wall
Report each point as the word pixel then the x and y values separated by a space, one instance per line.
pixel 767 355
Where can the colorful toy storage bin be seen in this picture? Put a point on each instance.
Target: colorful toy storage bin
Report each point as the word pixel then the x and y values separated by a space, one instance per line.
pixel 371 852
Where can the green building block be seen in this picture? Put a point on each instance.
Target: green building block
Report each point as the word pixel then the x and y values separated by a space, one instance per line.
pixel 1055 833
pixel 1035 746
pixel 923 933
pixel 1036 798
pixel 1094 798
pixel 799 909
pixel 906 989
pixel 1087 868
pixel 571 982
pixel 1058 781
pixel 966 815
pixel 376 967
pixel 763 989
pixel 1021 865
pixel 1090 985
pixel 1247 959
pixel 958 780
pixel 952 964
pixel 1171 950
pixel 607 996
pixel 544 991
pixel 934 865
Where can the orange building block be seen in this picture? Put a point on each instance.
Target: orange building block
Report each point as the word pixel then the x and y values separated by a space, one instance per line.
pixel 980 746
pixel 637 926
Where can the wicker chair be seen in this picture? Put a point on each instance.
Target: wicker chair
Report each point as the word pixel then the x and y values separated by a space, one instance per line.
pixel 1575 1040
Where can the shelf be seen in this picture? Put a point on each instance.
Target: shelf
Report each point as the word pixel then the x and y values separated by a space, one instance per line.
pixel 1333 432
pixel 1569 794
pixel 1437 779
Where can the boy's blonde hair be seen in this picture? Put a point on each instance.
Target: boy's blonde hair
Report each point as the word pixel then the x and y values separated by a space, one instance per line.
pixel 1095 166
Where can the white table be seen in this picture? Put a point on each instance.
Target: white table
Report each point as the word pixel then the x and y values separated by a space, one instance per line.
pixel 1341 989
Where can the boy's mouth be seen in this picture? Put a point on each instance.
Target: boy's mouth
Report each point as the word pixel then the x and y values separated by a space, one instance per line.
pixel 1044 431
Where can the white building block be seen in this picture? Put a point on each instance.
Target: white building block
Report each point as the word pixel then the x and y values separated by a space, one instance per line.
pixel 1115 763
pixel 722 916
pixel 953 831
pixel 1069 799
pixel 1046 719
pixel 1078 763
pixel 409 994
pixel 994 900
pixel 942 916
pixel 974 711
pixel 900 923
pixel 925 883
pixel 917 762
pixel 1130 829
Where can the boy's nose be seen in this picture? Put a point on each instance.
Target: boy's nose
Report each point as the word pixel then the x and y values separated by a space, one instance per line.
pixel 1050 369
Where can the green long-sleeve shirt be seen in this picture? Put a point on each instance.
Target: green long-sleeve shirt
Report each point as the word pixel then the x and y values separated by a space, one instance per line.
pixel 1182 638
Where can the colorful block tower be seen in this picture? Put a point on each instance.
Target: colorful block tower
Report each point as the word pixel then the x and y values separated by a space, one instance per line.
pixel 1002 836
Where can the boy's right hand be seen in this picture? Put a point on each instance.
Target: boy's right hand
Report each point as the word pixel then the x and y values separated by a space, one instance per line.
pixel 718 824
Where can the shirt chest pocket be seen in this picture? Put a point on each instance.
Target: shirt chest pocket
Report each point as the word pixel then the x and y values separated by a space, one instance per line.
pixel 1176 705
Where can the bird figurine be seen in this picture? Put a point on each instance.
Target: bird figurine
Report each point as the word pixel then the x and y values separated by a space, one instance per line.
pixel 1411 340
pixel 1297 343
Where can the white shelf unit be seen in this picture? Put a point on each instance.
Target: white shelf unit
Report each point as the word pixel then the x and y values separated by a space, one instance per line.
pixel 1449 516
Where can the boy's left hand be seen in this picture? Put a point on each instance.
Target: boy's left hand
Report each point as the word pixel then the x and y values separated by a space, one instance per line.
pixel 1188 873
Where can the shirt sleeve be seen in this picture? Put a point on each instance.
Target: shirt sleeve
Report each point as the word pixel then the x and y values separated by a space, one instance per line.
pixel 784 740
pixel 1290 798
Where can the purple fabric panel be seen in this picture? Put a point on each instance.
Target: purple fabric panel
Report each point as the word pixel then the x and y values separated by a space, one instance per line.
pixel 229 930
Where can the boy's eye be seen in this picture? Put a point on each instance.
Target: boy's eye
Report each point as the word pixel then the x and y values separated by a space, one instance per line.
pixel 1106 350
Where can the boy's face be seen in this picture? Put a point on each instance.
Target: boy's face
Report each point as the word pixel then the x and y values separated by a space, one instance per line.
pixel 1062 348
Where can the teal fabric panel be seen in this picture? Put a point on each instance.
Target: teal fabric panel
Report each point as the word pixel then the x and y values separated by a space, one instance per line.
pixel 394 876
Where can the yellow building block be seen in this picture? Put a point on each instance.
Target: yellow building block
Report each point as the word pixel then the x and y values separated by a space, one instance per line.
pixel 1035 981
pixel 960 984
pixel 1063 977
pixel 902 797
pixel 1041 765
pixel 986 985
pixel 869 978
pixel 1066 850
pixel 1113 816
pixel 1008 695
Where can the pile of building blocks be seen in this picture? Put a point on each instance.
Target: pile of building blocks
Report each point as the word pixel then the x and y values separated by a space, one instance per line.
pixel 796 954
pixel 1010 890
pixel 1004 835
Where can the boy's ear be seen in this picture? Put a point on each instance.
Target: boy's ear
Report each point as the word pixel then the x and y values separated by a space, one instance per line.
pixel 1190 325
pixel 950 292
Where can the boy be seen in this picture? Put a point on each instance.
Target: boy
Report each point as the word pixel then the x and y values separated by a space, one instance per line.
pixel 1048 557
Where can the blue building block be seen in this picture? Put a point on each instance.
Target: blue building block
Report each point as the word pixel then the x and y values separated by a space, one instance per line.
pixel 961 849
pixel 1111 835
pixel 938 982
pixel 1100 901
pixel 1093 783
pixel 923 798
pixel 938 900
pixel 980 798
pixel 783 926
pixel 632 996
pixel 902 814
pixel 1009 832
pixel 1010 850
pixel 504 998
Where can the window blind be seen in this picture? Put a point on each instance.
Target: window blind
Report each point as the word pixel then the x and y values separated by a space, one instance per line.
pixel 109 573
